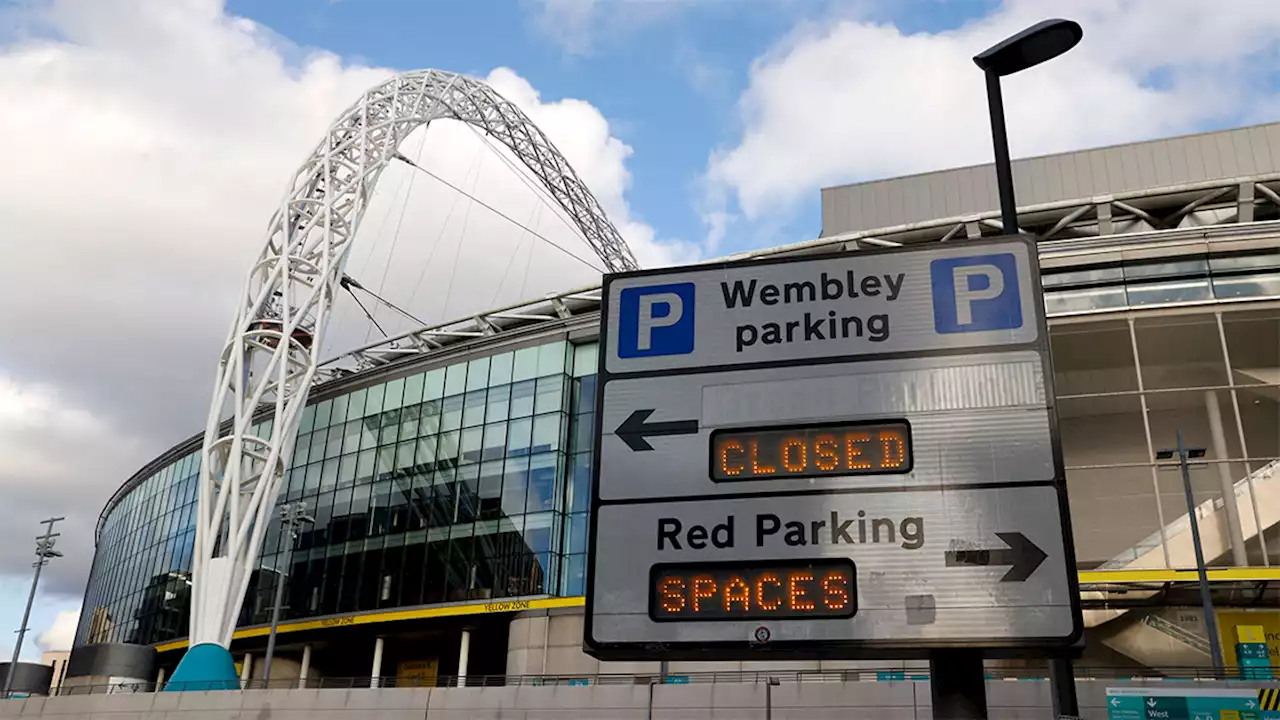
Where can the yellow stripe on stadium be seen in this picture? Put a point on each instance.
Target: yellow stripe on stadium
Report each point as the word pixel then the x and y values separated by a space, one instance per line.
pixel 1088 577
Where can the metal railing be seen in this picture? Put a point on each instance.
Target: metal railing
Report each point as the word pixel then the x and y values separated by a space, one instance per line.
pixel 1172 674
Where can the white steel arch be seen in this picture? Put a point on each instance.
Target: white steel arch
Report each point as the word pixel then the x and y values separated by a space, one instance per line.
pixel 271 353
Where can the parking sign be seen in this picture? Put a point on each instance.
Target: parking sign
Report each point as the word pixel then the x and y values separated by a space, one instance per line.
pixel 852 455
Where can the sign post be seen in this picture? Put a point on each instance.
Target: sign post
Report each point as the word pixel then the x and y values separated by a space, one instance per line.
pixel 845 456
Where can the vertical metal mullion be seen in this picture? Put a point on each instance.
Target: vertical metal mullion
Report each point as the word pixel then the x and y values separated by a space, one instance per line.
pixel 1151 453
pixel 1244 448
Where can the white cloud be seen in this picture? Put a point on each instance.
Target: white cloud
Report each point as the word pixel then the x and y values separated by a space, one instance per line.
pixel 849 99
pixel 61 634
pixel 146 143
pixel 567 22
pixel 582 27
pixel 56 460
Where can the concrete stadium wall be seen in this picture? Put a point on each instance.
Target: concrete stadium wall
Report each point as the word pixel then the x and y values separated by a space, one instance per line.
pixel 1007 700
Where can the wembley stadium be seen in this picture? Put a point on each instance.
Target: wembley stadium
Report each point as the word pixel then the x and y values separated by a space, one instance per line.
pixel 447 469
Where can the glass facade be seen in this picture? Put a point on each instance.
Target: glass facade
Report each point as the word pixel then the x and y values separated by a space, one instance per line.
pixel 1157 281
pixel 1125 387
pixel 471 481
pixel 462 482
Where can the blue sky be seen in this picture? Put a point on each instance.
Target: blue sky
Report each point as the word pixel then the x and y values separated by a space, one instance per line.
pixel 666 73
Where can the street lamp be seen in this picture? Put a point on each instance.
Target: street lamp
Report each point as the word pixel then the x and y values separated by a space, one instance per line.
pixel 44 551
pixel 1041 42
pixel 1038 43
pixel 1184 453
pixel 292 516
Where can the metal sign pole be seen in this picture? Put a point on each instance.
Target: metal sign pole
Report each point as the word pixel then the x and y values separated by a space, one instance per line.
pixel 1206 598
pixel 958 685
pixel 1034 45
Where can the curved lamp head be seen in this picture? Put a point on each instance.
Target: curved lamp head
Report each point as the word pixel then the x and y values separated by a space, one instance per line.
pixel 1038 43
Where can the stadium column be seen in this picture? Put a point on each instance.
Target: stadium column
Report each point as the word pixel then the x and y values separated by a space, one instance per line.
pixel 464 651
pixel 376 672
pixel 306 665
pixel 1239 556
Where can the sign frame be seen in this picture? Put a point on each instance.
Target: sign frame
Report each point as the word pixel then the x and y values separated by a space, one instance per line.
pixel 745 649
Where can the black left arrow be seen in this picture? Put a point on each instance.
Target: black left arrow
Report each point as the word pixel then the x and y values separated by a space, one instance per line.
pixel 634 430
pixel 1022 555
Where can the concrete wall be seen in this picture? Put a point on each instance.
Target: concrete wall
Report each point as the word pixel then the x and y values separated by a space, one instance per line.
pixel 563 656
pixel 1007 700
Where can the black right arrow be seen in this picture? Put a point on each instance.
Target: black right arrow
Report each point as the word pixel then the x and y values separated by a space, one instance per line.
pixel 1022 555
pixel 634 429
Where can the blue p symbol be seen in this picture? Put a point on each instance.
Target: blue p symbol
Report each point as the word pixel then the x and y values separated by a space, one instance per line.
pixel 656 320
pixel 974 294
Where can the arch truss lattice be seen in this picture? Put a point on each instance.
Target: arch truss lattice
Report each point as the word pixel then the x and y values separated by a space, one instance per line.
pixel 270 355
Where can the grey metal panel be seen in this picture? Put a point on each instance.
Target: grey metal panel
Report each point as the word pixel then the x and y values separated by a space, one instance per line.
pixel 1128 157
pixel 1260 146
pixel 1083 174
pixel 897 201
pixel 868 203
pixel 1162 164
pixel 971 601
pixel 1178 161
pixel 1195 159
pixel 1147 174
pixel 939 197
pixel 1209 155
pixel 1098 171
pixel 969 197
pixel 984 180
pixel 1244 154
pixel 971 421
pixel 1273 142
pixel 955 198
pixel 1031 181
pixel 1053 179
pixel 30 678
pixel 1114 165
pixel 915 204
pixel 1226 155
pixel 884 205
pixel 1072 185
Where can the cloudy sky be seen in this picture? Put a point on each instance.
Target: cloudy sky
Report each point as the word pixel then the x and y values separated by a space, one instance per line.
pixel 146 143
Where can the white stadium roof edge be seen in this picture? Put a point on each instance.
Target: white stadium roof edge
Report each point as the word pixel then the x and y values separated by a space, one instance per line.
pixel 1232 172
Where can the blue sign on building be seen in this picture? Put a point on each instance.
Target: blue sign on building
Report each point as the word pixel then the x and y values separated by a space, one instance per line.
pixel 1190 703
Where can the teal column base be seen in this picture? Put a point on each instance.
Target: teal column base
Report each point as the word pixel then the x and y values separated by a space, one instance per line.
pixel 205 667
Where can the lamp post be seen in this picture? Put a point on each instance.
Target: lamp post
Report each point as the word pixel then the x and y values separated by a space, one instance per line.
pixel 1039 43
pixel 44 551
pixel 1184 453
pixel 292 516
